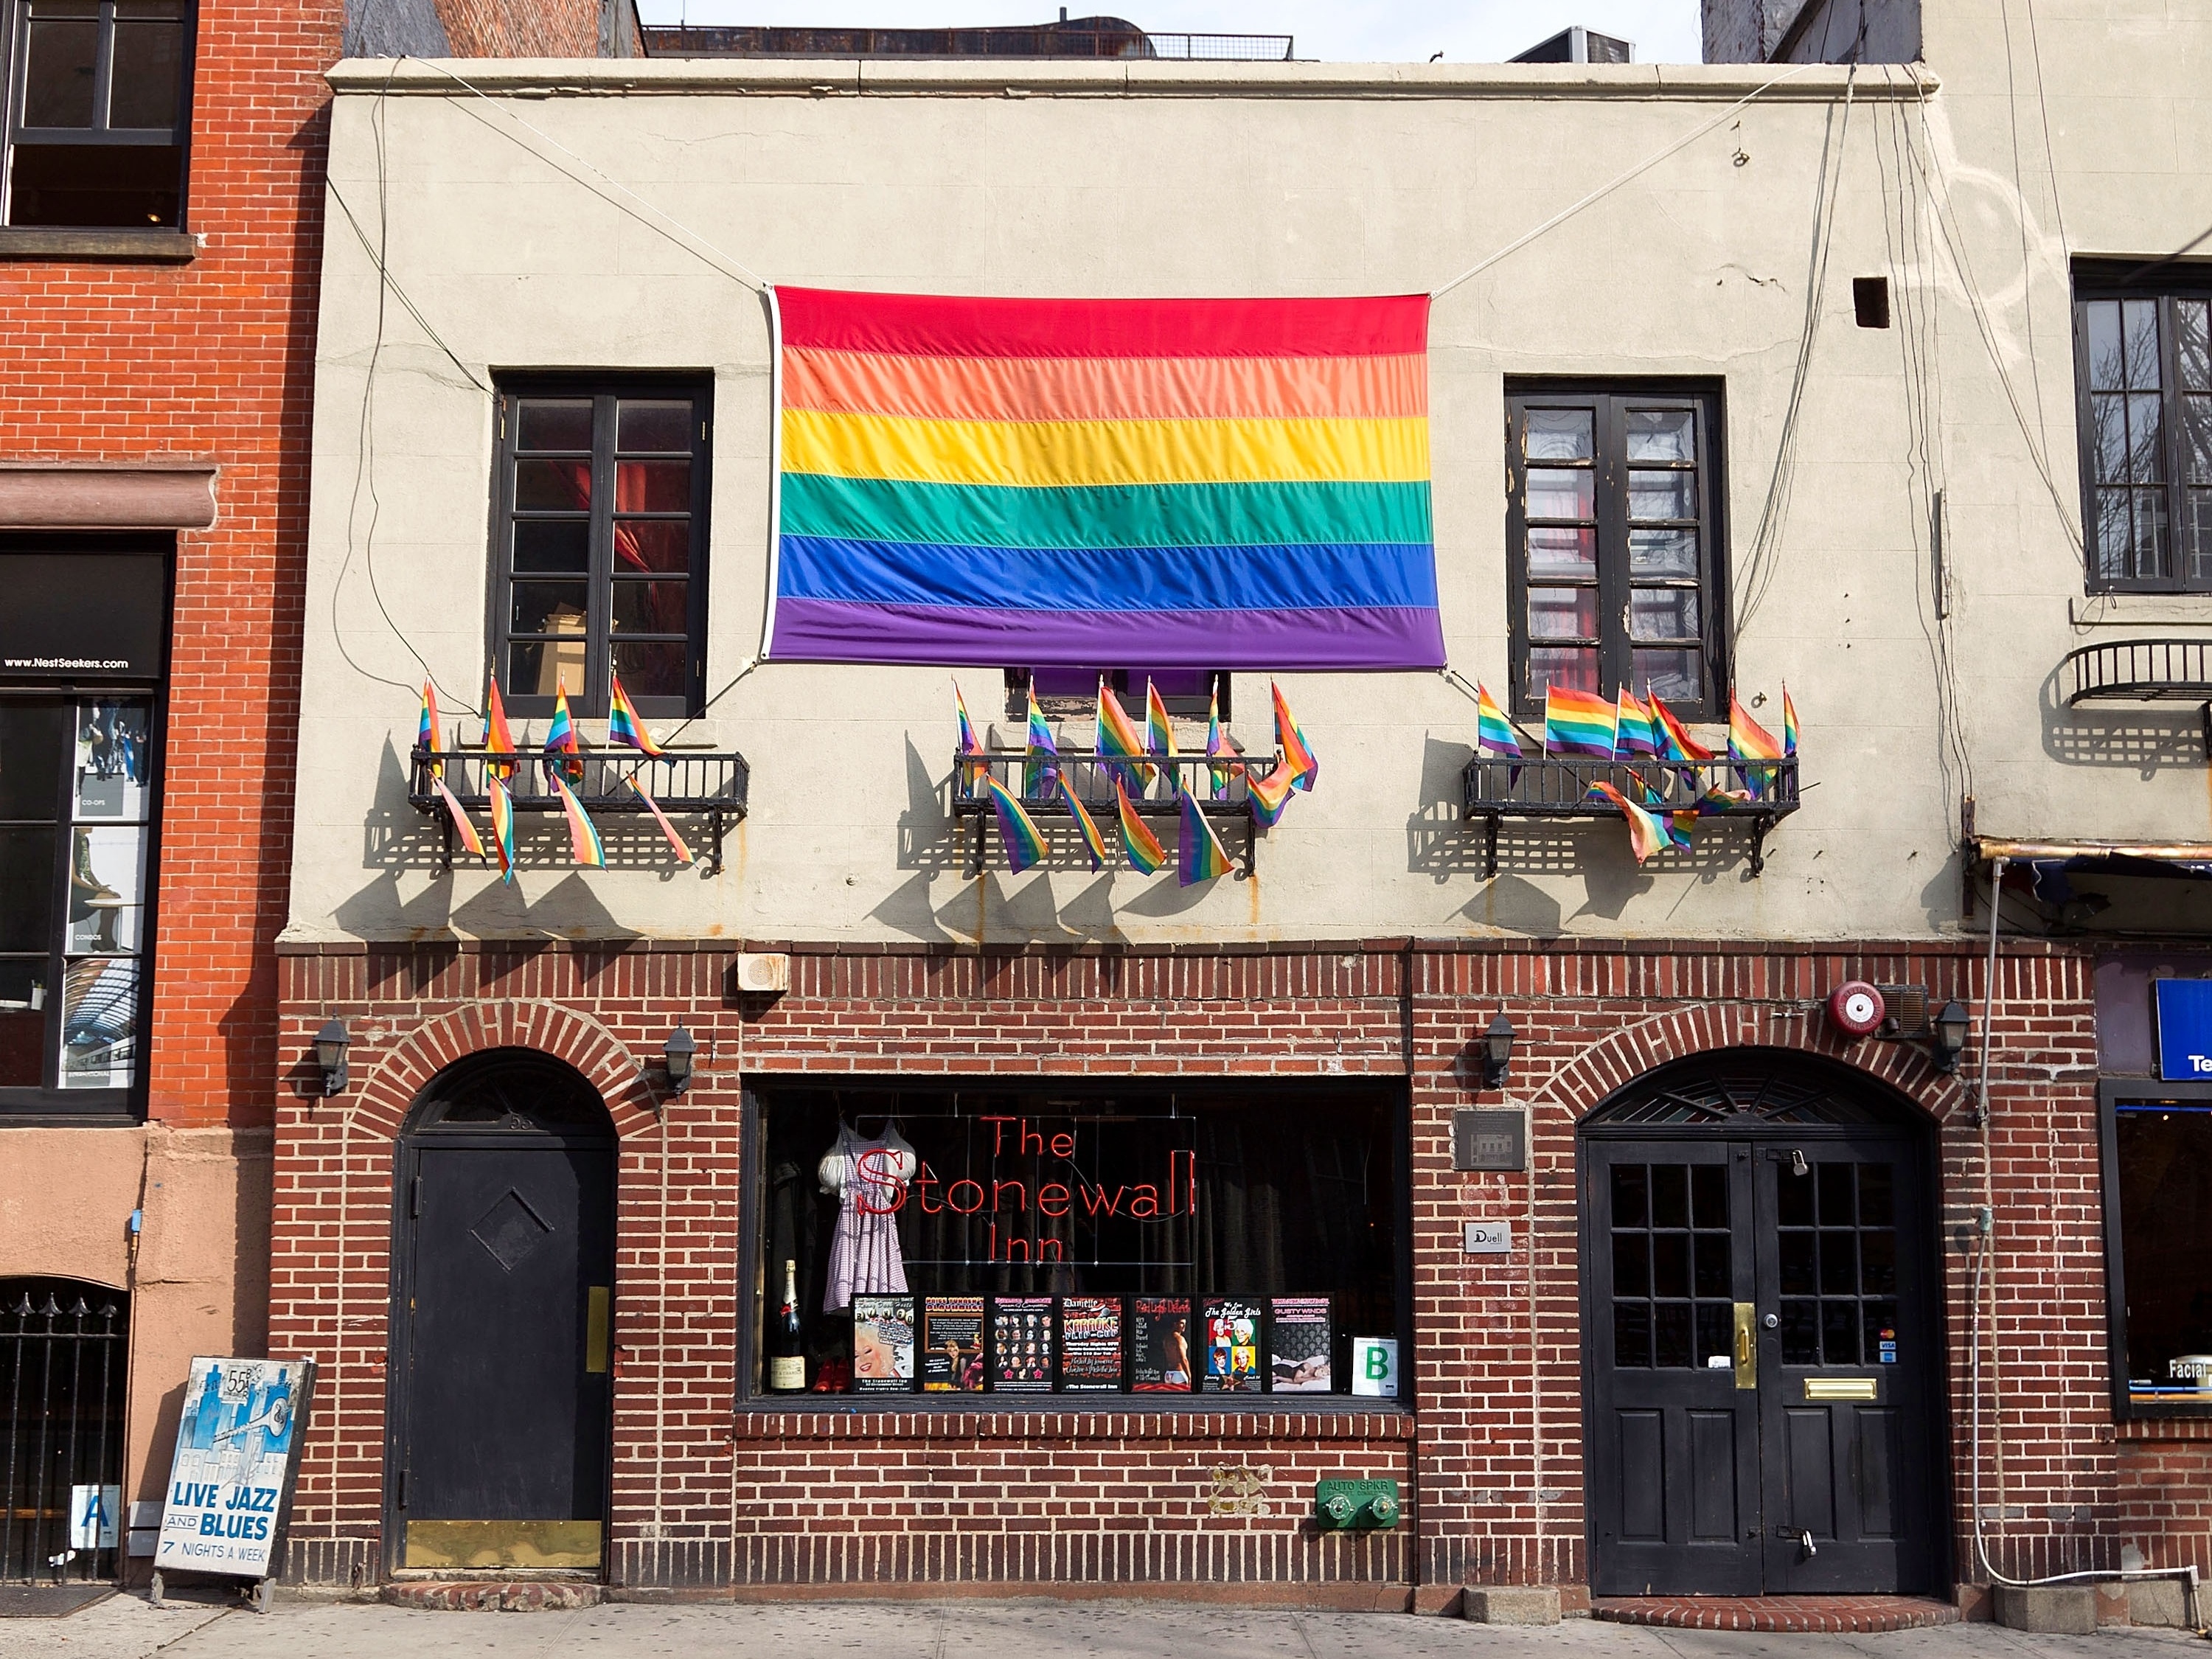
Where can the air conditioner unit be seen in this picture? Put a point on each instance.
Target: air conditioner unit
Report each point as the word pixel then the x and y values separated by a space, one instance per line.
pixel 761 972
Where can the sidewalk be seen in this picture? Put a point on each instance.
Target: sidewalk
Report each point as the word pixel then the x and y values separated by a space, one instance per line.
pixel 126 1627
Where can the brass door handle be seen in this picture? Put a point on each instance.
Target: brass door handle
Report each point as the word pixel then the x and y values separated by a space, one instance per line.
pixel 1747 1345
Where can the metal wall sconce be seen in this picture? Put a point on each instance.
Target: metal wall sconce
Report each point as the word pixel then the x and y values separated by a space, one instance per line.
pixel 1952 1027
pixel 1497 1053
pixel 331 1045
pixel 679 1052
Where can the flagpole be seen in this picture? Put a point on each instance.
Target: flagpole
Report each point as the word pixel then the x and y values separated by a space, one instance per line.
pixel 774 467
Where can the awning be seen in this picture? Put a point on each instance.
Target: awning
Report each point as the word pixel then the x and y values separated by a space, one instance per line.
pixel 2049 862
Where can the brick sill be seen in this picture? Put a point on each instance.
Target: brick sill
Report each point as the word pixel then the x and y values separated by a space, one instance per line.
pixel 915 1420
pixel 125 246
pixel 2164 1428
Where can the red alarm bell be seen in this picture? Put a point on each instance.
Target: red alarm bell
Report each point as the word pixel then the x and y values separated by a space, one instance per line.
pixel 1855 1007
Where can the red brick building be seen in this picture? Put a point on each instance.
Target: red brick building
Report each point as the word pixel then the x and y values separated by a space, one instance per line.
pixel 161 233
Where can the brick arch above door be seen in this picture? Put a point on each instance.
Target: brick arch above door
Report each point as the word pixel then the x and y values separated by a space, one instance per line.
pixel 1711 1028
pixel 398 1076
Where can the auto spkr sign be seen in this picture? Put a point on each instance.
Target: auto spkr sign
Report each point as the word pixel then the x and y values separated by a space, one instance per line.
pixel 2185 1030
pixel 237 1445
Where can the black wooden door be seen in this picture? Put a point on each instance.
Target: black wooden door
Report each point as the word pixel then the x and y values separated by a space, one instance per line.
pixel 1847 1366
pixel 1761 1362
pixel 504 1392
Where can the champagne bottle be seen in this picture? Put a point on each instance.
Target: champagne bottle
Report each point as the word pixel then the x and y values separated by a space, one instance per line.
pixel 787 1359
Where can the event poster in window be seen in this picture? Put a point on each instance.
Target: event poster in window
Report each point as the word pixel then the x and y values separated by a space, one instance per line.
pixel 1159 1344
pixel 1298 1345
pixel 883 1345
pixel 1232 1345
pixel 1021 1345
pixel 952 1345
pixel 1090 1344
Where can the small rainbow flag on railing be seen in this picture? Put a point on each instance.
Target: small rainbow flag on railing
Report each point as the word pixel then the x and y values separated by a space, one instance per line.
pixel 623 727
pixel 1291 739
pixel 1094 842
pixel 1159 737
pixel 1117 735
pixel 560 737
pixel 584 845
pixel 1750 741
pixel 1218 771
pixel 1646 834
pixel 1199 855
pixel 499 738
pixel 969 776
pixel 1635 737
pixel 1267 793
pixel 1577 724
pixel 1041 771
pixel 426 738
pixel 677 844
pixel 1025 842
pixel 1154 483
pixel 1142 847
pixel 1789 724
pixel 501 805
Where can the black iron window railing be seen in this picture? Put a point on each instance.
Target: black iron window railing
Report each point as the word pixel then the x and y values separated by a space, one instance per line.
pixel 2141 671
pixel 62 1372
pixel 691 784
pixel 1543 786
pixel 1090 776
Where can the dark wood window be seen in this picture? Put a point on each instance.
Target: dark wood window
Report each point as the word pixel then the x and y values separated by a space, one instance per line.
pixel 600 542
pixel 98 112
pixel 2143 374
pixel 1613 526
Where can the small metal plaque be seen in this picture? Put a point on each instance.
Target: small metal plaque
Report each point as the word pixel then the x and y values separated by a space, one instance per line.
pixel 1842 1387
pixel 1488 1139
pixel 1489 1238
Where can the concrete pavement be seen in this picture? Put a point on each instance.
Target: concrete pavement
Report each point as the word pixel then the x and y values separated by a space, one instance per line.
pixel 126 1627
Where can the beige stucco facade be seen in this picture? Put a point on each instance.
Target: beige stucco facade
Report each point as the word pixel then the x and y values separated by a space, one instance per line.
pixel 600 216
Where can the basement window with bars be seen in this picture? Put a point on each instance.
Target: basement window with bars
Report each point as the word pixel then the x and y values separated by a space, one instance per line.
pixel 933 1243
pixel 600 545
pixel 2143 374
pixel 98 96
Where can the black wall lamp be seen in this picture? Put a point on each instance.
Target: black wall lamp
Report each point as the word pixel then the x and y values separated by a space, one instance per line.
pixel 331 1045
pixel 1952 1027
pixel 679 1052
pixel 1497 1053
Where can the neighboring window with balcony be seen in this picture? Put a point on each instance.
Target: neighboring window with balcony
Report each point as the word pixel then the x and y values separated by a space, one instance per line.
pixel 1614 563
pixel 98 112
pixel 2143 373
pixel 600 545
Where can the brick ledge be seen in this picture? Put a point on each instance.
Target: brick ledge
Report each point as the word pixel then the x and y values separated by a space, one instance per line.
pixel 2163 1428
pixel 863 1423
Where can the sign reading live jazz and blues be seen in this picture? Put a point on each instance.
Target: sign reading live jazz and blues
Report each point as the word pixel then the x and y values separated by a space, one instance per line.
pixel 1139 483
pixel 230 1483
pixel 2185 1030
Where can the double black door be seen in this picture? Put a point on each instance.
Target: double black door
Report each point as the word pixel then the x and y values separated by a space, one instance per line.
pixel 1762 1363
pixel 502 1356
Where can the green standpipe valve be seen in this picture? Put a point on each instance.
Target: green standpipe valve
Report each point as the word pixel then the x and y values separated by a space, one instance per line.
pixel 1384 1506
pixel 1338 1508
pixel 1356 1505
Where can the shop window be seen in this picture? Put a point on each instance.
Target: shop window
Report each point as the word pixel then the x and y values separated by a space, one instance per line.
pixel 77 828
pixel 600 552
pixel 941 1242
pixel 2143 384
pixel 1613 519
pixel 98 110
pixel 2158 1189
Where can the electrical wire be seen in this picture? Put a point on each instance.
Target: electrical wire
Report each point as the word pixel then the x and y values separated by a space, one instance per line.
pixel 1606 189
pixel 1765 543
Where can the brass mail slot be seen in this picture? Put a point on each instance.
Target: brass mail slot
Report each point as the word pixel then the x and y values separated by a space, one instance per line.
pixel 1842 1387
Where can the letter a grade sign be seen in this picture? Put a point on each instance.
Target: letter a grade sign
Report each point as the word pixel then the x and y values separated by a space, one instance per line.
pixel 238 1448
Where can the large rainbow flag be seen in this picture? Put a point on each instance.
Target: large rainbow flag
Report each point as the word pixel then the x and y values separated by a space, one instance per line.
pixel 1148 483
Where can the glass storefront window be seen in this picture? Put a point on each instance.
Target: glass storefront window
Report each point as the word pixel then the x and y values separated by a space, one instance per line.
pixel 76 842
pixel 949 1240
pixel 2162 1168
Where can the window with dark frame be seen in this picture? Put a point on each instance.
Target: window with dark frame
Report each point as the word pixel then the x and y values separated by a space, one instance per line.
pixel 1614 564
pixel 600 545
pixel 76 826
pixel 2144 381
pixel 98 96
pixel 2158 1188
pixel 1292 1190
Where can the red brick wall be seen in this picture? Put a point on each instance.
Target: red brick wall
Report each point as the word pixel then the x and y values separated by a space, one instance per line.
pixel 501 28
pixel 104 362
pixel 1491 1455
